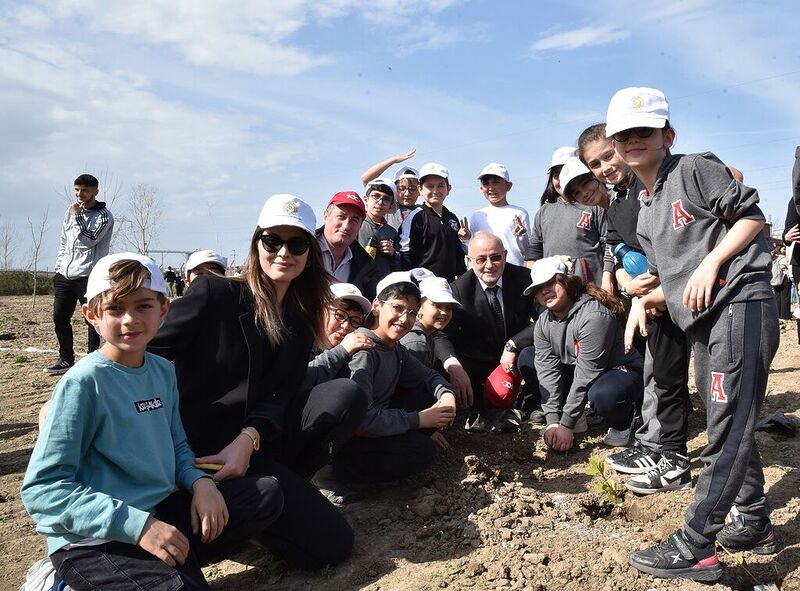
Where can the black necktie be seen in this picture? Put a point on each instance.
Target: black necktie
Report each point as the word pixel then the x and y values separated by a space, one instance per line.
pixel 497 309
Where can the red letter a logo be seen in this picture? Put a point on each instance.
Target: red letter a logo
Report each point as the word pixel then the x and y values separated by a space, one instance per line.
pixel 586 221
pixel 680 218
pixel 717 387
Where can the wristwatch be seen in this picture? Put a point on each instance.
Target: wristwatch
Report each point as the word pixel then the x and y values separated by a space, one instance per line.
pixel 510 347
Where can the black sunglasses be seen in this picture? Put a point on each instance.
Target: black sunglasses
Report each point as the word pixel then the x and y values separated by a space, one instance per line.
pixel 273 243
pixel 641 132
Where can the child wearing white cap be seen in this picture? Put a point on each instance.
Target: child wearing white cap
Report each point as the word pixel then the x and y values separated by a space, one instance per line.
pixel 435 313
pixel 406 180
pixel 432 236
pixel 508 222
pixel 701 230
pixel 112 477
pixel 205 262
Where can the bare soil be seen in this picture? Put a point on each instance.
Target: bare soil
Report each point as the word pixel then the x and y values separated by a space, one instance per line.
pixel 495 512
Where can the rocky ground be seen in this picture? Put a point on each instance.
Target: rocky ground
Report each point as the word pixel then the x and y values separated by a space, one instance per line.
pixel 495 512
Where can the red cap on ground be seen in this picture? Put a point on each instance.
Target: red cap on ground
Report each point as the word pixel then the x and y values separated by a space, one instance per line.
pixel 349 198
pixel 501 388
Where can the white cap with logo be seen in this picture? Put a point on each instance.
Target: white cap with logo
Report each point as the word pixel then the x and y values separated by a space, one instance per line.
pixel 433 169
pixel 205 256
pixel 380 181
pixel 561 155
pixel 406 172
pixel 545 269
pixel 495 169
pixel 636 107
pixel 437 289
pixel 287 210
pixel 573 168
pixel 348 291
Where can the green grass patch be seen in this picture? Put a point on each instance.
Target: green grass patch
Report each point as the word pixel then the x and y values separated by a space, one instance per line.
pixel 20 283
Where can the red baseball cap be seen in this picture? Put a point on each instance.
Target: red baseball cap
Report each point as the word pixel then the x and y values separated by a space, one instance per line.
pixel 349 198
pixel 502 388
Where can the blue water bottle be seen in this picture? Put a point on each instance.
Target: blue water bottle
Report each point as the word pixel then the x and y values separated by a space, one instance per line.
pixel 634 262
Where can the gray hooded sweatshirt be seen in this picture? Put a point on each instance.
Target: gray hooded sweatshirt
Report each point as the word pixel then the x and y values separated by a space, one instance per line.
pixel 378 372
pixel 695 202
pixel 590 338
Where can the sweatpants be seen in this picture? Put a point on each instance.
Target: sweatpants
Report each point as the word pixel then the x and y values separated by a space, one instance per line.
pixel 253 504
pixel 665 407
pixel 68 292
pixel 733 350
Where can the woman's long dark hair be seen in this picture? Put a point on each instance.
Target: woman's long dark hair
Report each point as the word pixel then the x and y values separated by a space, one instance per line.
pixel 309 294
pixel 574 286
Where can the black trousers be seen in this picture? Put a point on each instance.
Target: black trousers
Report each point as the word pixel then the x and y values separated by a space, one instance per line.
pixel 253 503
pixel 311 533
pixel 68 292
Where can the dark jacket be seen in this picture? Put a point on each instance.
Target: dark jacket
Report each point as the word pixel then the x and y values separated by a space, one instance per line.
pixel 364 272
pixel 792 218
pixel 229 376
pixel 471 335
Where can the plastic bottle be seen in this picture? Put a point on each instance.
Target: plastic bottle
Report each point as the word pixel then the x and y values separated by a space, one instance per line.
pixel 634 262
pixel 372 246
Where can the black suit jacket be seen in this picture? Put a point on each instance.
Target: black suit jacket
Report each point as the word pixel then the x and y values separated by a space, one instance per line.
pixel 229 376
pixel 364 273
pixel 471 335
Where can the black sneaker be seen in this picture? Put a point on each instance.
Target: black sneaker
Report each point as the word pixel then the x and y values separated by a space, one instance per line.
pixel 634 460
pixel 59 368
pixel 756 536
pixel 677 558
pixel 671 473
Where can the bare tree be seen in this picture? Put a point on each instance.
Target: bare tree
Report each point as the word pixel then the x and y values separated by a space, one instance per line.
pixel 140 225
pixel 37 237
pixel 8 245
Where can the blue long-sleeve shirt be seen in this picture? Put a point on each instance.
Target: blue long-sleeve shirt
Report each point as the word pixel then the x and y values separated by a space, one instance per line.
pixel 111 449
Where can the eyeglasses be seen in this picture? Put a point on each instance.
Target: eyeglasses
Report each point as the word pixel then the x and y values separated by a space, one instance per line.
pixel 408 188
pixel 481 260
pixel 641 132
pixel 296 245
pixel 382 199
pixel 345 319
pixel 399 311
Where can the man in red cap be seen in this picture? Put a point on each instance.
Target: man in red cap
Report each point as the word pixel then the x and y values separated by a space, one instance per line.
pixel 343 256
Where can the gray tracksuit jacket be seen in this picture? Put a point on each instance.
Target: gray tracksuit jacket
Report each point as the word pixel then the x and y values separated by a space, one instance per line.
pixel 378 372
pixel 419 344
pixel 589 338
pixel 572 229
pixel 694 203
pixel 85 238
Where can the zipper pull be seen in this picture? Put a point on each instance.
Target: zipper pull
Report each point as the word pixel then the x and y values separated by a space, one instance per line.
pixel 730 309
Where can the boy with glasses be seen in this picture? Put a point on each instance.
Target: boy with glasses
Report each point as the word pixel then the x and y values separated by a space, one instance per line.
pixel 406 181
pixel 376 233
pixel 393 442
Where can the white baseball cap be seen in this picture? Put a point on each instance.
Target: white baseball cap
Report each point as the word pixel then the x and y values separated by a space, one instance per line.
pixel 636 107
pixel 433 169
pixel 420 273
pixel 406 172
pixel 573 168
pixel 287 210
pixel 99 282
pixel 496 169
pixel 348 291
pixel 392 278
pixel 544 270
pixel 437 290
pixel 561 155
pixel 205 256
pixel 381 181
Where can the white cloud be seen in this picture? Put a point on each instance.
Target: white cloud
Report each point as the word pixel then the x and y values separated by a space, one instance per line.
pixel 586 36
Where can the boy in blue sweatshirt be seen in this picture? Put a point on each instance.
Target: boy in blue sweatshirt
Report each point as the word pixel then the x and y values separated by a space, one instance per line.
pixel 112 482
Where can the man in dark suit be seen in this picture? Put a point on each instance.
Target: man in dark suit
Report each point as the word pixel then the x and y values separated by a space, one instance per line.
pixel 343 256
pixel 494 310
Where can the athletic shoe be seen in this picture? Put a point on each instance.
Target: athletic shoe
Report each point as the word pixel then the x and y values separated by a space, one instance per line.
pixel 755 535
pixel 634 460
pixel 581 426
pixel 671 473
pixel 677 558
pixel 479 424
pixel 60 367
pixel 616 438
pixel 537 417
pixel 336 491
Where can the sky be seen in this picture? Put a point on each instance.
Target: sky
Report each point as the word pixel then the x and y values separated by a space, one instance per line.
pixel 220 104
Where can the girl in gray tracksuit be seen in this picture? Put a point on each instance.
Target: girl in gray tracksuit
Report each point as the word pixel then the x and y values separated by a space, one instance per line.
pixel 702 233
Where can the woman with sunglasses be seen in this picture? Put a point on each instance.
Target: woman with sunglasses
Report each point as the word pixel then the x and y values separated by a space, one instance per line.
pixel 240 347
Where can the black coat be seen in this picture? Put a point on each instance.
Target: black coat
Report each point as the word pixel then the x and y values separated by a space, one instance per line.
pixel 792 218
pixel 229 376
pixel 471 335
pixel 364 273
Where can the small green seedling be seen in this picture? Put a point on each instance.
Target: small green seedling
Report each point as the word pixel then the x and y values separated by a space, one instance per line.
pixel 607 485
